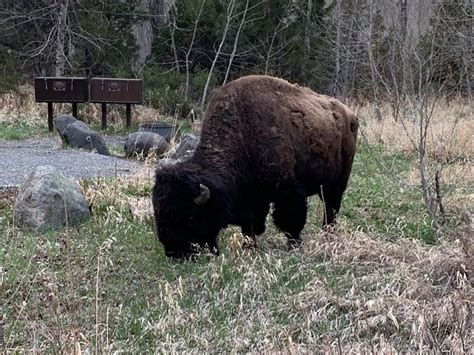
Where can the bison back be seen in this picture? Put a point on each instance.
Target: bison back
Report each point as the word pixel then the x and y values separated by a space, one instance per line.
pixel 283 131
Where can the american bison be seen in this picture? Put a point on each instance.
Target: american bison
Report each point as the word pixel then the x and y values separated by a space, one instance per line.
pixel 263 141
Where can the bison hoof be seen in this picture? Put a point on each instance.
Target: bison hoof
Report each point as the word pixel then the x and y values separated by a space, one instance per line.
pixel 250 243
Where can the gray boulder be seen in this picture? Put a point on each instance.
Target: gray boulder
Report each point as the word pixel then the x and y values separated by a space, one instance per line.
pixel 61 122
pixel 77 134
pixel 47 200
pixel 145 143
pixel 185 147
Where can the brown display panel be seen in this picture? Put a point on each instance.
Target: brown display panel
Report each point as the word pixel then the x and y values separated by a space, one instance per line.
pixel 118 91
pixel 50 89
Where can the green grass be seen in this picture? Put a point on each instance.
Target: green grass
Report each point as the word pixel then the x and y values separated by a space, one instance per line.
pixel 139 287
pixel 380 199
pixel 374 283
pixel 22 130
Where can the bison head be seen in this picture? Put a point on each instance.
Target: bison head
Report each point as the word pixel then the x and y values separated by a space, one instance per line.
pixel 190 209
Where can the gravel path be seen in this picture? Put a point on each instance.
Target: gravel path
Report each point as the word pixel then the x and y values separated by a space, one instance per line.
pixel 19 158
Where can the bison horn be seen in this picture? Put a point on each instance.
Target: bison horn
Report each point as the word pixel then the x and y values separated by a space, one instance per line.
pixel 204 196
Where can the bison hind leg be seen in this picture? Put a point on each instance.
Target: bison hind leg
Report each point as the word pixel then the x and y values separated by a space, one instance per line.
pixel 213 247
pixel 331 197
pixel 289 213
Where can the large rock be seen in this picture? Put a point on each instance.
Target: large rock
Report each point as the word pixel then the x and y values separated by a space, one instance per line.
pixel 47 200
pixel 145 143
pixel 185 147
pixel 77 134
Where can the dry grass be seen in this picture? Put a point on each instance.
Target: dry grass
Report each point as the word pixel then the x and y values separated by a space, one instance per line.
pixel 449 135
pixel 21 105
pixel 343 292
pixel 107 287
pixel 130 194
pixel 449 147
pixel 420 294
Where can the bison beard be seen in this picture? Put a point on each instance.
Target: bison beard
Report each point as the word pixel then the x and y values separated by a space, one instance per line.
pixel 263 141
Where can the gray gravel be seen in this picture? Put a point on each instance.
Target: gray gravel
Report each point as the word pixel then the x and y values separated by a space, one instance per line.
pixel 19 158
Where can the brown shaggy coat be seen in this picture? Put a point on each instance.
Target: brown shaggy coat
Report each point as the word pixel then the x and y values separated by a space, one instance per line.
pixel 284 131
pixel 263 140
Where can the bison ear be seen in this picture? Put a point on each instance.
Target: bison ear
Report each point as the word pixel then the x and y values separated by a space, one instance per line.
pixel 204 196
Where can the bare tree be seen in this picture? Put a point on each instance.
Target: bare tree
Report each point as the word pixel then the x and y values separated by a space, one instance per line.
pixel 274 51
pixel 414 90
pixel 229 18
pixel 54 37
pixel 188 52
pixel 172 26
pixel 236 41
pixel 309 10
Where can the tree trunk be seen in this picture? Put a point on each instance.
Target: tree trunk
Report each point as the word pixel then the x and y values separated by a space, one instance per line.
pixel 143 33
pixel 403 18
pixel 61 29
pixel 402 49
pixel 307 42
pixel 337 48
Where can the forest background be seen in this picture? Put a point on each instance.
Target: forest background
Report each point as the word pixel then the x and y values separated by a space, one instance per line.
pixel 357 49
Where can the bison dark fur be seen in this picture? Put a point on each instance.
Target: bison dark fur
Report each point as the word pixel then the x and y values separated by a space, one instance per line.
pixel 263 141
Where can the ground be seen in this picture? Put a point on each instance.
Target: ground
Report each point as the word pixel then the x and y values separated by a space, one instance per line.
pixel 385 279
pixel 20 157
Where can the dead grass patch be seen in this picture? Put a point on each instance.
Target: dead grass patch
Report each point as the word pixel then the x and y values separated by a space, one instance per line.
pixel 20 105
pixel 399 292
pixel 104 287
pixel 449 135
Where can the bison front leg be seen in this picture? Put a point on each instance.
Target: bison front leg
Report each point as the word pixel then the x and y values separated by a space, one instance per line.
pixel 250 234
pixel 250 241
pixel 255 223
pixel 290 211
